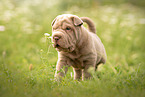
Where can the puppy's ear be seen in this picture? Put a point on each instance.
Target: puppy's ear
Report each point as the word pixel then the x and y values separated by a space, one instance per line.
pixel 77 21
pixel 53 22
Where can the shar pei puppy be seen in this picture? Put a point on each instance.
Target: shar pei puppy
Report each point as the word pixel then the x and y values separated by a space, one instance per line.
pixel 77 46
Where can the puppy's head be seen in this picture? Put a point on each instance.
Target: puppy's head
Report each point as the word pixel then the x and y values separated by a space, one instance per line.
pixel 66 32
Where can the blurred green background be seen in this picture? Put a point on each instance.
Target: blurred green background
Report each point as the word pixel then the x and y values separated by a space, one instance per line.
pixel 27 58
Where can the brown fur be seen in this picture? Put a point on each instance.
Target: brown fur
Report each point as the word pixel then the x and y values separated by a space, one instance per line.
pixel 77 47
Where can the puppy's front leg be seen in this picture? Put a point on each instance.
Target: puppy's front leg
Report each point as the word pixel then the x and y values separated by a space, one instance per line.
pixel 77 73
pixel 86 74
pixel 61 69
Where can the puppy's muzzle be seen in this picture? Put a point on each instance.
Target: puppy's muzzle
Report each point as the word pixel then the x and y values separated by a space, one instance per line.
pixel 56 38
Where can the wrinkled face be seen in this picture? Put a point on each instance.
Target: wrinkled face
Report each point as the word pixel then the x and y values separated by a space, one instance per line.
pixel 65 32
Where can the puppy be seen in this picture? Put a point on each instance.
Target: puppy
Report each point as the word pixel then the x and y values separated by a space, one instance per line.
pixel 77 47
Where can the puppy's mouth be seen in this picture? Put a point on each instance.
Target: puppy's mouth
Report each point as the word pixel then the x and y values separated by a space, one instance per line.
pixel 57 46
pixel 60 48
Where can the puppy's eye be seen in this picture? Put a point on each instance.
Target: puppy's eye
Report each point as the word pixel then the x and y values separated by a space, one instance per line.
pixel 68 28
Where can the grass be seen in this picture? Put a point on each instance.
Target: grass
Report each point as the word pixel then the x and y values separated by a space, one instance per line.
pixel 27 60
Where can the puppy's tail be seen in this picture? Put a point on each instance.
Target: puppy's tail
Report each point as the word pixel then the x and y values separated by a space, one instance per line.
pixel 91 25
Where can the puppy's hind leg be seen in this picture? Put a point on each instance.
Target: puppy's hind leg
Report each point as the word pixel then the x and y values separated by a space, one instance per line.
pixel 102 61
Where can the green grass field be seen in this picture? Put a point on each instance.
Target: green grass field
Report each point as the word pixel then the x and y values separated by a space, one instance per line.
pixel 27 58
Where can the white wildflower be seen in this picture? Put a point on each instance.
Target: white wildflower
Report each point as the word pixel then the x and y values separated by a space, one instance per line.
pixel 46 34
pixel 50 37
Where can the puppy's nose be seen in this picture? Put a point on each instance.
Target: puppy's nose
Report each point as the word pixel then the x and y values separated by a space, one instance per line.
pixel 56 38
